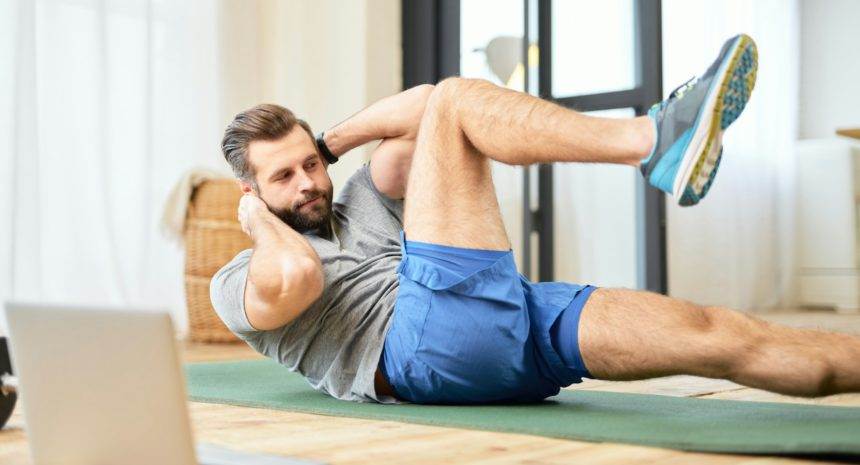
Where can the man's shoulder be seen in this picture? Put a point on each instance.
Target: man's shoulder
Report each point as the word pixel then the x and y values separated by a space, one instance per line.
pixel 360 194
pixel 236 269
pixel 226 293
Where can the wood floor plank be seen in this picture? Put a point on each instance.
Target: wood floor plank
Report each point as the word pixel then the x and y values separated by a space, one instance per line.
pixel 197 352
pixel 844 400
pixel 675 386
pixel 821 320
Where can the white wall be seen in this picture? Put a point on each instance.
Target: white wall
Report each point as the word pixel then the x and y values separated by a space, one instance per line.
pixel 830 67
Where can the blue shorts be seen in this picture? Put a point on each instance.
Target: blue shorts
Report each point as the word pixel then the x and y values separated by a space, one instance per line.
pixel 468 328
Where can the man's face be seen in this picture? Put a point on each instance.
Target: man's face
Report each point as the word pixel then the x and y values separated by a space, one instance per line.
pixel 292 180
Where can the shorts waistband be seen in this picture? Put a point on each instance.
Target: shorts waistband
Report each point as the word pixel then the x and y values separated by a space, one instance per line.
pixel 440 266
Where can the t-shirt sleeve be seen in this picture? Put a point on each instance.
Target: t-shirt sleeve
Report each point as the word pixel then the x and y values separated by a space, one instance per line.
pixel 395 206
pixel 359 190
pixel 227 293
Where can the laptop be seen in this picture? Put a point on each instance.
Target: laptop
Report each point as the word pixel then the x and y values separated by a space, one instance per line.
pixel 105 386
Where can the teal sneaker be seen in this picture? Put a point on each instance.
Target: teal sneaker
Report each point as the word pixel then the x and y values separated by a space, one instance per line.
pixel 689 124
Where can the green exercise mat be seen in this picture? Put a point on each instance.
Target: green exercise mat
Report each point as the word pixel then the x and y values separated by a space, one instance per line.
pixel 674 422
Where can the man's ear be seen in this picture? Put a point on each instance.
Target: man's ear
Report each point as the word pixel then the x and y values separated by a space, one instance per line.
pixel 246 187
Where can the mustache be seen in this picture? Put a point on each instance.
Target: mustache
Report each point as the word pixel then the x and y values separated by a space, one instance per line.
pixel 315 219
pixel 310 198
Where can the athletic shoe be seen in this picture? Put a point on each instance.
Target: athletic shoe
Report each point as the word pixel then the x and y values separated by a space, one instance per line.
pixel 690 123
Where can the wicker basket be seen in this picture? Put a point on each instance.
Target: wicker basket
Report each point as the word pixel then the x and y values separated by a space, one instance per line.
pixel 213 237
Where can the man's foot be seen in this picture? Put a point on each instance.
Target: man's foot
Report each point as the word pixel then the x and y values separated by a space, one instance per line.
pixel 690 123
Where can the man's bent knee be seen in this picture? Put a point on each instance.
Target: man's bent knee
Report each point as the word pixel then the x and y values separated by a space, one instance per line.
pixel 448 94
pixel 441 125
pixel 453 87
pixel 724 338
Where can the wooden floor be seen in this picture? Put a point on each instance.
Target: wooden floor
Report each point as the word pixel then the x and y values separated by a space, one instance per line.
pixel 353 441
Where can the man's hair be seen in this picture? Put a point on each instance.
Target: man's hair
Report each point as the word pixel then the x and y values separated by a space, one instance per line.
pixel 264 122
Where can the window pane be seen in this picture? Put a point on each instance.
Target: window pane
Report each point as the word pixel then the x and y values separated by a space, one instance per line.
pixel 595 220
pixel 492 50
pixel 592 47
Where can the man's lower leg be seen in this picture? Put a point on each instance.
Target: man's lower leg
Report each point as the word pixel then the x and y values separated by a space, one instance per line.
pixel 517 129
pixel 801 362
pixel 678 146
pixel 628 335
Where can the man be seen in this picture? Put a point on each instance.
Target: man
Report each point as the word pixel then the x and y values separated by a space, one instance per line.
pixel 374 298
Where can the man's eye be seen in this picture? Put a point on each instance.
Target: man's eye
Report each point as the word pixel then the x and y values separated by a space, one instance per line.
pixel 312 165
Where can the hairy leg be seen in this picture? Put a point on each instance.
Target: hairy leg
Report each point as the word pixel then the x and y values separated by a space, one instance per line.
pixel 517 128
pixel 450 197
pixel 627 335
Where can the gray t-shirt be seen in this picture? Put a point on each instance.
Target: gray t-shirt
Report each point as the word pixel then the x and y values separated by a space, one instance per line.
pixel 336 343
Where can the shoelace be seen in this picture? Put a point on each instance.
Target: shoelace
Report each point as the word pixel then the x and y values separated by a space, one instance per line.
pixel 678 92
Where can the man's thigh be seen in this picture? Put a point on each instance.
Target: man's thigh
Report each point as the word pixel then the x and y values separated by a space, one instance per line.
pixel 626 334
pixel 450 196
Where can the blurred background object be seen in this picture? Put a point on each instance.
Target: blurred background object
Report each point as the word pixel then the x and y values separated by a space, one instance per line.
pixel 504 57
pixel 8 384
pixel 213 236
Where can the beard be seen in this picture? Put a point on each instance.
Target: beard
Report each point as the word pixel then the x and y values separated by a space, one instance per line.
pixel 315 217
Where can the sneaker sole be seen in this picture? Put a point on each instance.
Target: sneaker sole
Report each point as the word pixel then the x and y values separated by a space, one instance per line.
pixel 691 198
pixel 726 102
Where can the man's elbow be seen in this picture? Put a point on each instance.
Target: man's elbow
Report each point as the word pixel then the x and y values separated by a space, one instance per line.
pixel 275 305
pixel 310 280
pixel 302 286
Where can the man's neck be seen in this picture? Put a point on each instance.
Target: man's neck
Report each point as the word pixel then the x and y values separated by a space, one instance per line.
pixel 326 231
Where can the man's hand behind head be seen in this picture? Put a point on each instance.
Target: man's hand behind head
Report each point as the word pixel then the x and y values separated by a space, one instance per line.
pixel 251 207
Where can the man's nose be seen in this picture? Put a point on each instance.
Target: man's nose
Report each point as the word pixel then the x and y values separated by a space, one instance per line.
pixel 305 182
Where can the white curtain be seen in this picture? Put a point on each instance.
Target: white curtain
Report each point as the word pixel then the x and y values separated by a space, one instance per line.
pixel 737 247
pixel 103 103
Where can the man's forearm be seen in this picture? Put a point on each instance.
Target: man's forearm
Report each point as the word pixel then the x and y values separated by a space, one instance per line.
pixel 397 116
